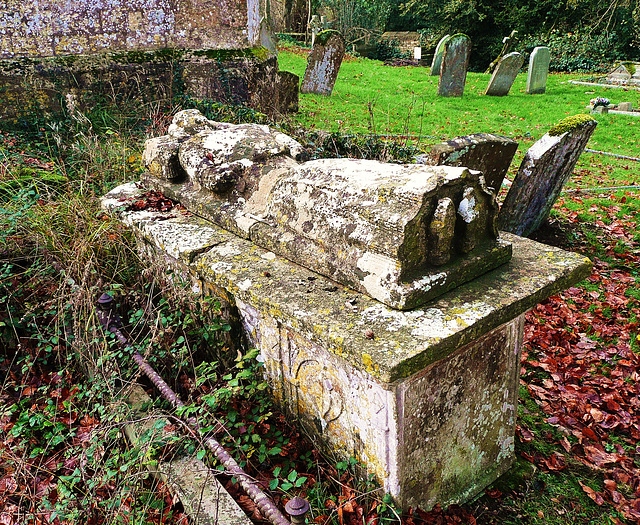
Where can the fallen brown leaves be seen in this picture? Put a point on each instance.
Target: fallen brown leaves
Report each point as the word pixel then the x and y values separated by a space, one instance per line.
pixel 580 367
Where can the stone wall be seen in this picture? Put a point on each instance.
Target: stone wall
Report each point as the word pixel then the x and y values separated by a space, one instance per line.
pixel 53 27
pixel 142 49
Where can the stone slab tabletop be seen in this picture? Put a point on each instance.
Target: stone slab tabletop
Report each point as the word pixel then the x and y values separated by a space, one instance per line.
pixel 386 343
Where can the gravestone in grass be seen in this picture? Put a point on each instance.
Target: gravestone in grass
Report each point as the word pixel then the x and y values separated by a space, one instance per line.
pixel 504 75
pixel 544 171
pixel 538 70
pixel 453 71
pixel 437 56
pixel 323 63
pixel 491 154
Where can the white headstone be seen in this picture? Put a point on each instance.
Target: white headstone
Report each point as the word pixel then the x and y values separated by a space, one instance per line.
pixel 538 70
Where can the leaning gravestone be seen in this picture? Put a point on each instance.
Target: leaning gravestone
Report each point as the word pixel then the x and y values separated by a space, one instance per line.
pixel 538 70
pixel 544 171
pixel 437 56
pixel 453 71
pixel 491 154
pixel 504 75
pixel 323 63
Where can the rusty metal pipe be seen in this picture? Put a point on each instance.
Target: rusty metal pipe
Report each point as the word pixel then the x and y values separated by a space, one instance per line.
pixel 111 323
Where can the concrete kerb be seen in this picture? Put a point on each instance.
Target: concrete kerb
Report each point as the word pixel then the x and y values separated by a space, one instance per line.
pixel 205 500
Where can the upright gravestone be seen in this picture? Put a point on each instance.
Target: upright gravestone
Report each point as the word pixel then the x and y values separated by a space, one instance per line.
pixel 544 171
pixel 323 63
pixel 437 56
pixel 538 70
pixel 504 75
pixel 453 71
pixel 491 154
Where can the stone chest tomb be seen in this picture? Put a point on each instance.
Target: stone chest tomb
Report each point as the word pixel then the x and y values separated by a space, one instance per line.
pixel 387 309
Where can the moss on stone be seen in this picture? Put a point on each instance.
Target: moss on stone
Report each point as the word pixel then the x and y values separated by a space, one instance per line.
pixel 141 57
pixel 569 124
pixel 323 37
pixel 260 52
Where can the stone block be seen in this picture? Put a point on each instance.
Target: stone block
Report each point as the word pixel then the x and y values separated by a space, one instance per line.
pixel 491 154
pixel 425 399
pixel 625 106
pixel 504 75
pixel 455 61
pixel 401 234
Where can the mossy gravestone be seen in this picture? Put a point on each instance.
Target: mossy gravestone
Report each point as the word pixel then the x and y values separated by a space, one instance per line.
pixel 455 60
pixel 544 171
pixel 323 64
pixel 437 56
pixel 504 75
pixel 491 154
pixel 538 70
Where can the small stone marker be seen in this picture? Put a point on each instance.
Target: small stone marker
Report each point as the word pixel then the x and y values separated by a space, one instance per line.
pixel 323 63
pixel 453 71
pixel 544 171
pixel 504 75
pixel 485 152
pixel 417 53
pixel 538 70
pixel 437 56
pixel 625 106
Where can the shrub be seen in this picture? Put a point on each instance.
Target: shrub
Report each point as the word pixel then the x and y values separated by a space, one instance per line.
pixel 579 51
pixel 389 50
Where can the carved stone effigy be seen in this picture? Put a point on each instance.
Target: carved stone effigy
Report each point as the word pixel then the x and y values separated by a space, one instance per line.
pixel 402 234
pixel 425 399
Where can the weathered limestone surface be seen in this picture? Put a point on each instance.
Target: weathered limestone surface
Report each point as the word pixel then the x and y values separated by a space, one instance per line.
pixel 538 70
pixel 53 27
pixel 436 63
pixel 402 234
pixel 425 398
pixel 504 75
pixel 543 173
pixel 455 61
pixel 491 154
pixel 141 49
pixel 323 63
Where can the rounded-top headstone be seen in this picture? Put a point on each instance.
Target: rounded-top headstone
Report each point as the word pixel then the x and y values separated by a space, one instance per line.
pixel 504 75
pixel 538 70
pixel 453 71
pixel 437 56
pixel 323 63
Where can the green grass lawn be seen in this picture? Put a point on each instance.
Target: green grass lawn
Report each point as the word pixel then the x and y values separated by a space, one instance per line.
pixel 370 97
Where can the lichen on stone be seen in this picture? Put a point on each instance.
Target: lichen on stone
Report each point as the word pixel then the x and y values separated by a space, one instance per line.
pixel 569 124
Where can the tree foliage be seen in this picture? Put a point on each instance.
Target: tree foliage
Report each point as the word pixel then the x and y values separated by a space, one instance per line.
pixel 487 22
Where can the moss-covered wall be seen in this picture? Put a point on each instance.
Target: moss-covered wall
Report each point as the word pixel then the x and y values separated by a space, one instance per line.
pixel 242 77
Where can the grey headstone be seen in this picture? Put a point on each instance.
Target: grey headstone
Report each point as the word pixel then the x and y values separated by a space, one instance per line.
pixel 619 73
pixel 323 63
pixel 625 106
pixel 491 154
pixel 437 56
pixel 538 70
pixel 544 171
pixel 453 71
pixel 504 75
